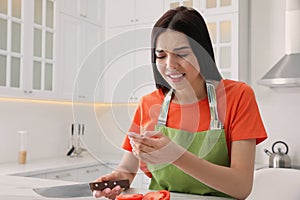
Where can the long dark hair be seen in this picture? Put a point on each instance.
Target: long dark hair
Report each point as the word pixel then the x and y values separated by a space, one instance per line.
pixel 189 22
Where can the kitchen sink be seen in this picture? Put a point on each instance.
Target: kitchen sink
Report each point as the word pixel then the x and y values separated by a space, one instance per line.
pixel 276 184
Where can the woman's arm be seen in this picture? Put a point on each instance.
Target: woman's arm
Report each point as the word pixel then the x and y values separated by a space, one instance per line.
pixel 235 180
pixel 126 169
pixel 129 165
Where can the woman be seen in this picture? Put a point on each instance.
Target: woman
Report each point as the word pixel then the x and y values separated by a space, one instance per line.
pixel 197 132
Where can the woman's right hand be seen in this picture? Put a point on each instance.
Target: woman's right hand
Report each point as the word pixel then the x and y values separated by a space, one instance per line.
pixel 111 193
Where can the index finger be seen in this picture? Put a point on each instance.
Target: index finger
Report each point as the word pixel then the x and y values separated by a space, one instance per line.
pixel 151 134
pixel 133 134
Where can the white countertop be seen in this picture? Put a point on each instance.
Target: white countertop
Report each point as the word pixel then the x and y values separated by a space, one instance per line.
pixel 17 187
pixel 20 188
pixel 54 164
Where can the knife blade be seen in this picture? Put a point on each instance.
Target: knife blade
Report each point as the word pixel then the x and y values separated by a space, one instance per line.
pixel 65 191
pixel 79 190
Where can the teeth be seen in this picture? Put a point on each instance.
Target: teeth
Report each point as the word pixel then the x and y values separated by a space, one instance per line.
pixel 176 76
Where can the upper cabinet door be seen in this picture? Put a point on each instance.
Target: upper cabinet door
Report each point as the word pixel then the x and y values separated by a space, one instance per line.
pixel 148 11
pixel 89 9
pixel 131 12
pixel 28 58
pixel 212 7
pixel 83 9
pixel 188 3
pixel 69 7
pixel 120 13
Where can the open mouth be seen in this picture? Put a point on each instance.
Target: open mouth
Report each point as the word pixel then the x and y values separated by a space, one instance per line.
pixel 176 77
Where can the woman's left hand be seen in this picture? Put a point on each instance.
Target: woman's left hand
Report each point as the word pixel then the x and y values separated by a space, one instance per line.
pixel 155 148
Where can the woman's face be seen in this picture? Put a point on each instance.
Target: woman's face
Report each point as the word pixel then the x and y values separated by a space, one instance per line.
pixel 176 61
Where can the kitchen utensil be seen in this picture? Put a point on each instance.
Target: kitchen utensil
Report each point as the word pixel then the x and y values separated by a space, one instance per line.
pixel 279 159
pixel 65 191
pixel 72 147
pixel 82 129
pixel 79 190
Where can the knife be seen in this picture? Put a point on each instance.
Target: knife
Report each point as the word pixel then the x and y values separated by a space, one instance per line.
pixel 79 190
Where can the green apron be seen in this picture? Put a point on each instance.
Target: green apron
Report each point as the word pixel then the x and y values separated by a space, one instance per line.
pixel 209 145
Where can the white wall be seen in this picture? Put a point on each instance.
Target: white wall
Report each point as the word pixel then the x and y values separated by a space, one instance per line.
pixel 48 125
pixel 280 108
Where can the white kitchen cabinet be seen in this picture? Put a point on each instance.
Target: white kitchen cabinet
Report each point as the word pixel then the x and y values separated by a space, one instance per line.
pixel 213 7
pixel 128 70
pixel 78 174
pixel 43 175
pixel 188 3
pixel 132 12
pixel 224 35
pixel 86 173
pixel 227 22
pixel 83 9
pixel 43 43
pixel 77 38
pixel 65 175
pixel 91 173
pixel 27 50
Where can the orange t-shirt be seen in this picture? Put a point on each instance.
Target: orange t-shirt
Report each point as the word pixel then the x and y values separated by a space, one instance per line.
pixel 240 116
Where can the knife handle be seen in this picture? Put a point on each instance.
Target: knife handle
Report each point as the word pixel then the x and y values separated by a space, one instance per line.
pixel 109 184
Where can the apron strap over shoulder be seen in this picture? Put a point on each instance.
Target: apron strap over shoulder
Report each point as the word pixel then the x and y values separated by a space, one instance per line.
pixel 162 119
pixel 215 123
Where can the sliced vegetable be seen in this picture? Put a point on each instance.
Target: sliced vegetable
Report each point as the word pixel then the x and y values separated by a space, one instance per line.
pixel 130 197
pixel 159 195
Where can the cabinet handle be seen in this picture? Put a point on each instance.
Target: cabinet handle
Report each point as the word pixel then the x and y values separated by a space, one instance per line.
pixel 132 20
pixel 81 96
pixel 92 170
pixel 62 175
pixel 28 91
pixel 136 20
pixel 82 15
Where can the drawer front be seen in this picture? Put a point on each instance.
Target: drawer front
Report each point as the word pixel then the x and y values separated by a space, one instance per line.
pixel 65 175
pixel 91 173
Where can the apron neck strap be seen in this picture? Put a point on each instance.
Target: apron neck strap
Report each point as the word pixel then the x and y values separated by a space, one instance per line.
pixel 162 119
pixel 215 123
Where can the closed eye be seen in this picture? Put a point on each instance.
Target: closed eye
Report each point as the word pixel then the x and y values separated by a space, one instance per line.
pixel 160 57
pixel 182 55
pixel 160 54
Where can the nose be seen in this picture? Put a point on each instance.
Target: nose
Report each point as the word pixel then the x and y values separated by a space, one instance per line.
pixel 172 63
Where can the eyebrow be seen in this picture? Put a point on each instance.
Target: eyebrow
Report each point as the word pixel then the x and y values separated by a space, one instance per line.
pixel 176 49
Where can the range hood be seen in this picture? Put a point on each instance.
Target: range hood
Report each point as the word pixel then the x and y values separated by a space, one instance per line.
pixel 286 72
